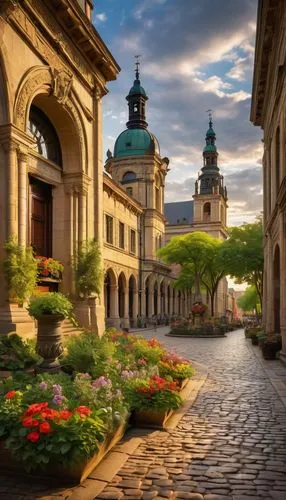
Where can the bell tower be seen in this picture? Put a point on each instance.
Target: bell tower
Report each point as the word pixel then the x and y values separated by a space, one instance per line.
pixel 210 198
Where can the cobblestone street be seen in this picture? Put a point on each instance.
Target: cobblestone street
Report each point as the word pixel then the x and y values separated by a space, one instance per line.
pixel 231 444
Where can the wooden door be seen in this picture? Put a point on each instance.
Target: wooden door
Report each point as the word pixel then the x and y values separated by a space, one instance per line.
pixel 41 218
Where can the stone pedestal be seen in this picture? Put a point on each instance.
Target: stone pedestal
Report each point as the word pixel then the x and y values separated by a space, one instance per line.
pixel 16 319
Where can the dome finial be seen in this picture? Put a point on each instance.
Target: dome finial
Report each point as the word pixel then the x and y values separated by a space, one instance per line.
pixel 137 64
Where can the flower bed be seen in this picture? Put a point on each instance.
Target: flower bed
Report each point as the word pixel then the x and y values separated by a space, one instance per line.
pixel 67 422
pixel 49 268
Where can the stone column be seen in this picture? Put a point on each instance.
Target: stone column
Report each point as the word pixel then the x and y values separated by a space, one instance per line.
pixel 269 309
pixel 159 300
pixel 171 302
pixel 22 196
pixel 12 188
pixel 282 233
pixel 126 322
pixel 176 308
pixel 135 306
pixel 166 300
pixel 114 309
pixel 143 303
pixel 82 216
pixel 150 303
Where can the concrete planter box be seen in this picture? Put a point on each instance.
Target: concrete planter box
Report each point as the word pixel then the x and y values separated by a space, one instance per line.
pixel 57 472
pixel 151 418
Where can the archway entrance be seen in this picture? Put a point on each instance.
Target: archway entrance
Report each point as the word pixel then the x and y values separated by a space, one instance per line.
pixel 109 291
pixel 276 289
pixel 121 295
pixel 132 291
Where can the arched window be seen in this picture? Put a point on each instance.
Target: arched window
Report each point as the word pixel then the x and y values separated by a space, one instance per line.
pixel 128 177
pixel 47 142
pixel 207 212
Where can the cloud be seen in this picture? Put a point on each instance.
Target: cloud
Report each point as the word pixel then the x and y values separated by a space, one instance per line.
pixel 102 17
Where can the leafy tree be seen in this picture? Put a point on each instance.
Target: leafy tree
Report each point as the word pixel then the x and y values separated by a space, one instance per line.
pixel 20 270
pixel 242 255
pixel 198 255
pixel 249 300
pixel 88 270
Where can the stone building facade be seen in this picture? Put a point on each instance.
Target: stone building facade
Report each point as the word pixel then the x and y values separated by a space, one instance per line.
pixel 53 72
pixel 268 111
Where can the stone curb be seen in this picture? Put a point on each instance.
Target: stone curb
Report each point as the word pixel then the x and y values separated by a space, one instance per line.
pixel 195 336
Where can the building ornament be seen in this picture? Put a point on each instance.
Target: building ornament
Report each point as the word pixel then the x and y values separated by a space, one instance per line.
pixel 62 85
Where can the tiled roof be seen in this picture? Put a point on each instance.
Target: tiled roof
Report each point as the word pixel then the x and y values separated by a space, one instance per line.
pixel 179 212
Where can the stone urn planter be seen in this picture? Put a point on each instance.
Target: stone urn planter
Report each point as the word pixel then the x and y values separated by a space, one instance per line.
pixel 49 342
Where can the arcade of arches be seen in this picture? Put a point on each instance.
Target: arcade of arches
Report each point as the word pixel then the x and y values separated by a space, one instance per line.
pixel 125 302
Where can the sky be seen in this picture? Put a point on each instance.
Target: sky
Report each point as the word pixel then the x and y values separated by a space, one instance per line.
pixel 195 55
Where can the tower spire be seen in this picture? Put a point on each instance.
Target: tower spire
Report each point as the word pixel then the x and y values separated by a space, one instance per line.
pixel 136 101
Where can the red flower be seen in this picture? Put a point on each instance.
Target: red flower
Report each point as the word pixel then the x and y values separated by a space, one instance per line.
pixel 45 272
pixel 45 428
pixel 35 408
pixel 83 411
pixel 65 414
pixel 153 342
pixel 49 413
pixel 33 437
pixel 10 394
pixel 30 422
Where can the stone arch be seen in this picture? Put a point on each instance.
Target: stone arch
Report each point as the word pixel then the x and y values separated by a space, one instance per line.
pixel 276 289
pixel 51 93
pixel 207 212
pixel 128 176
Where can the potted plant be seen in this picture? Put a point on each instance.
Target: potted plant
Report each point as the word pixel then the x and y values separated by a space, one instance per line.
pixel 50 310
pixel 270 345
pixel 20 270
pixel 49 268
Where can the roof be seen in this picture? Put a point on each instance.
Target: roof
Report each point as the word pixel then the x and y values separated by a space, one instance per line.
pixel 137 89
pixel 136 141
pixel 179 212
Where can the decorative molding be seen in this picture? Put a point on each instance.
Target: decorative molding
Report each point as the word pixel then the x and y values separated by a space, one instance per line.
pixel 62 85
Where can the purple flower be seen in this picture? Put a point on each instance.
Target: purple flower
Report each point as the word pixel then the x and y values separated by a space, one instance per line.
pixel 57 389
pixel 101 382
pixel 84 376
pixel 58 399
pixel 127 374
pixel 43 386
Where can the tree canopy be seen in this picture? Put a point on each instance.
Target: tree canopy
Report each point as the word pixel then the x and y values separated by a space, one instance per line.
pixel 242 255
pixel 198 255
pixel 249 300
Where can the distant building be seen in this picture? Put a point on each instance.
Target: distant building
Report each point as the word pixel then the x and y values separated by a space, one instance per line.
pixel 268 111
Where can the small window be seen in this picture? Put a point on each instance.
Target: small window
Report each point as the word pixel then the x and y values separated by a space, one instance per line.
pixel 109 229
pixel 128 177
pixel 121 235
pixel 129 191
pixel 132 241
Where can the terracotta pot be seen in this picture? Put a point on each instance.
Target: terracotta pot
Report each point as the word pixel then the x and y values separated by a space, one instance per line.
pixel 49 342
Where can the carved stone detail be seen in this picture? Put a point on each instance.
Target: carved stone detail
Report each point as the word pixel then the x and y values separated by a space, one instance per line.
pixel 62 85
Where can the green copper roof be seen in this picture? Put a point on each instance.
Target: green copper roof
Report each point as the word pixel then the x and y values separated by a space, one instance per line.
pixel 134 142
pixel 210 148
pixel 210 132
pixel 137 89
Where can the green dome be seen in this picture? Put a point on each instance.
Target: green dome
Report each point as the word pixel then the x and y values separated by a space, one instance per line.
pixel 136 141
pixel 137 89
pixel 210 148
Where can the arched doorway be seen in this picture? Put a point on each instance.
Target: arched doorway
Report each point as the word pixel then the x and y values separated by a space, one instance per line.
pixel 276 289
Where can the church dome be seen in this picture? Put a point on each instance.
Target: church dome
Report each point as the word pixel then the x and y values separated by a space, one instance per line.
pixel 137 89
pixel 136 141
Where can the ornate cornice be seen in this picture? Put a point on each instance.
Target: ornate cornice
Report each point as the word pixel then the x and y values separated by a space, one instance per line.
pixel 114 190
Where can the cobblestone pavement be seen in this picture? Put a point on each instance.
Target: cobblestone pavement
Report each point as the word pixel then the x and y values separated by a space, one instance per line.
pixel 231 444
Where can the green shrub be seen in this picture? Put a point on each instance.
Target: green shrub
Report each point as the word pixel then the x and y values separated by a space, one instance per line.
pixel 88 270
pixel 16 353
pixel 20 270
pixel 51 303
